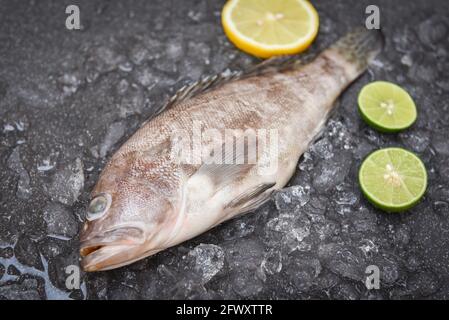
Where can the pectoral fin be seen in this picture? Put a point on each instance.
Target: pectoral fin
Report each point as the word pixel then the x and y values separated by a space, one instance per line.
pixel 251 199
pixel 232 162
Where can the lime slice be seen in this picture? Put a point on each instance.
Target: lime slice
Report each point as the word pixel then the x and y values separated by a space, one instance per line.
pixel 386 106
pixel 393 179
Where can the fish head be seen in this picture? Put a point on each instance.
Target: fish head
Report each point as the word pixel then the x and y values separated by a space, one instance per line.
pixel 125 216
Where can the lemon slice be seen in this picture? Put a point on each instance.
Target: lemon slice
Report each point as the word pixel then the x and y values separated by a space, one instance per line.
pixel 265 28
pixel 393 179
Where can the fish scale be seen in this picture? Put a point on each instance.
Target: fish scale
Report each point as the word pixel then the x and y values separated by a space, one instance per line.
pixel 152 202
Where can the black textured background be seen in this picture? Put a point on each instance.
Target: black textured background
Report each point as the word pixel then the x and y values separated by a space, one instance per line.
pixel 69 98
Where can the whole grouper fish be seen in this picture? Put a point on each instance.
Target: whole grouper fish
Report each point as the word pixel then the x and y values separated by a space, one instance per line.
pixel 147 199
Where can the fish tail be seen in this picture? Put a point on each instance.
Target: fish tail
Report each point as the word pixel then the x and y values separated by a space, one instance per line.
pixel 359 47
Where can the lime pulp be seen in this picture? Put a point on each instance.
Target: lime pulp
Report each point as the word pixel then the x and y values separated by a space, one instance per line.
pixel 386 106
pixel 393 179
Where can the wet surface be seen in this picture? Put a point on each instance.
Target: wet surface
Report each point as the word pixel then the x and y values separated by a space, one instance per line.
pixel 68 99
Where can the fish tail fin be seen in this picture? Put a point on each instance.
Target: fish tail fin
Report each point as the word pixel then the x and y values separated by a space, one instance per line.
pixel 359 47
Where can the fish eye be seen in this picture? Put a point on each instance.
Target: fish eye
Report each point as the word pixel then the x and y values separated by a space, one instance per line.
pixel 98 206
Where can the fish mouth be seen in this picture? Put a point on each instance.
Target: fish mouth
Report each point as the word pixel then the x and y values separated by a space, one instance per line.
pixel 106 257
pixel 112 249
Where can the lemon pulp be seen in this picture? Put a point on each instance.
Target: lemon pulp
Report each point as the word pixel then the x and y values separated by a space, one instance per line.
pixel 265 28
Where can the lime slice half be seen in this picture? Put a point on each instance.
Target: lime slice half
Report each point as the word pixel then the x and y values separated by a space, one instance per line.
pixel 393 179
pixel 386 106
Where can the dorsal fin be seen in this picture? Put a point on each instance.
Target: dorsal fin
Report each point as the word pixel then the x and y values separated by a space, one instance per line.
pixel 200 86
pixel 275 64
pixel 279 64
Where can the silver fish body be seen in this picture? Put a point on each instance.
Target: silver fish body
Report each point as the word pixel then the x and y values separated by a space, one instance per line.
pixel 147 199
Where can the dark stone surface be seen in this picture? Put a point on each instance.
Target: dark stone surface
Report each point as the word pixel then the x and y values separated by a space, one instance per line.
pixel 69 98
